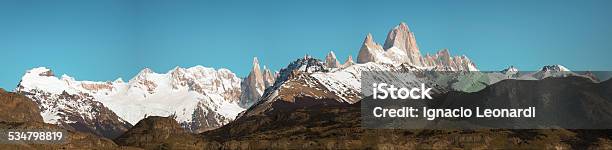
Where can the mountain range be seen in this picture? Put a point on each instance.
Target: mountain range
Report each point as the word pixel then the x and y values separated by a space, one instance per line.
pixel 217 103
pixel 202 98
pixel 199 98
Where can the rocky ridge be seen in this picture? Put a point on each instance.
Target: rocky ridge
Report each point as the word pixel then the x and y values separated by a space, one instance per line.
pixel 156 132
pixel 331 61
pixel 401 47
pixel 18 112
pixel 255 83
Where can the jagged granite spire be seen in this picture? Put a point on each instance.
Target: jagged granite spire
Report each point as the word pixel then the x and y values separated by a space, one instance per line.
pixel 401 37
pixel 349 61
pixel 331 61
pixel 401 47
pixel 254 84
pixel 370 50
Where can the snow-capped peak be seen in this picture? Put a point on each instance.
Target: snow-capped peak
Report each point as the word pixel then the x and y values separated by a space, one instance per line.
pixel 307 64
pixel 146 70
pixel 554 68
pixel 255 64
pixel 39 71
pixel 176 69
pixel 403 25
pixel 142 75
pixel 118 80
pixel 510 70
pixel 199 68
pixel 183 92
pixel 42 78
pixel 66 77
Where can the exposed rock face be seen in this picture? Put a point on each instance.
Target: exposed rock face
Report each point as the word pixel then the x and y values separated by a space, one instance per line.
pixel 370 51
pixel 18 108
pixel 19 112
pixel 553 71
pixel 401 47
pixel 156 132
pixel 254 84
pixel 444 61
pixel 307 64
pixel 401 37
pixel 268 77
pixel 331 61
pixel 349 62
pixel 204 118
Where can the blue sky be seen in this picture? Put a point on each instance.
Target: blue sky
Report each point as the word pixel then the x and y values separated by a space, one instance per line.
pixel 104 40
